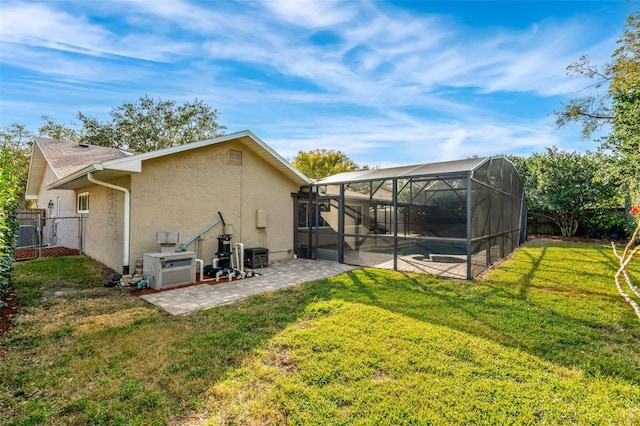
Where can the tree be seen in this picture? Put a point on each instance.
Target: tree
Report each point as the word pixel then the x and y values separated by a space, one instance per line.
pixel 53 130
pixel 142 126
pixel 563 185
pixel 320 163
pixel 593 111
pixel 618 106
pixel 15 141
pixel 625 68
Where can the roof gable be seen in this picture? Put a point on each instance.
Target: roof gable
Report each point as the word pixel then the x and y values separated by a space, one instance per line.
pixel 64 158
pixel 123 166
pixel 67 157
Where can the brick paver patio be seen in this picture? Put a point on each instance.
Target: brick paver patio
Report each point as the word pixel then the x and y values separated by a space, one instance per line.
pixel 277 275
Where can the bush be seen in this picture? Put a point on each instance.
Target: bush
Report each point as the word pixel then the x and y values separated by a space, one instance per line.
pixel 604 223
pixel 8 219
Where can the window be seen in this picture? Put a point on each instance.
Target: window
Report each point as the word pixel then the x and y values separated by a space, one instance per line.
pixel 83 202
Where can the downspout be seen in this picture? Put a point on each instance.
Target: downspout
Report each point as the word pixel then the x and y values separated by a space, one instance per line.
pixel 127 214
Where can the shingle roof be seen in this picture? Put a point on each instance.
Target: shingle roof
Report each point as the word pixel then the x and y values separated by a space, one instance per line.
pixel 68 157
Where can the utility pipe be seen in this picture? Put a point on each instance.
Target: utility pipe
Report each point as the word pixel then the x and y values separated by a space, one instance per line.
pixel 184 245
pixel 127 215
pixel 220 273
pixel 239 247
pixel 201 263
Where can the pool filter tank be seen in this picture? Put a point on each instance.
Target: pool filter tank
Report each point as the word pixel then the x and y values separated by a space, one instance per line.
pixel 224 251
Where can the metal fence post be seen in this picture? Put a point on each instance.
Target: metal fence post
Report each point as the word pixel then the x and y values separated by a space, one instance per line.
pixel 39 234
pixel 80 234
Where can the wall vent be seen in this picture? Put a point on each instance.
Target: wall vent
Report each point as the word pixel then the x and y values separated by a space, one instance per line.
pixel 235 157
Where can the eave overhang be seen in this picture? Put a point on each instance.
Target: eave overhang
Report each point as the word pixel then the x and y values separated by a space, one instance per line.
pixel 120 167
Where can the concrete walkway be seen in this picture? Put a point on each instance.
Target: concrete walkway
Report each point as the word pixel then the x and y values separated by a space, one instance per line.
pixel 276 276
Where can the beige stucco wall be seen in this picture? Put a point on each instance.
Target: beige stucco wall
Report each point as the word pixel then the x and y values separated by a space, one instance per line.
pixel 184 192
pixel 103 225
pixel 64 201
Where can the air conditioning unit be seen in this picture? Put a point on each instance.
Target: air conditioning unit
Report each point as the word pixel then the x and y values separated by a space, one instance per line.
pixel 27 236
pixel 166 270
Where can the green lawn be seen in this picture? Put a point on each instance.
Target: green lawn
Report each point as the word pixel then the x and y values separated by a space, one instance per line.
pixel 543 339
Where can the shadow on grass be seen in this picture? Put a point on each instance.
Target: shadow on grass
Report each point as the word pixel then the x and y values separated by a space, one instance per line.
pixel 156 368
pixel 525 282
pixel 533 306
pixel 107 358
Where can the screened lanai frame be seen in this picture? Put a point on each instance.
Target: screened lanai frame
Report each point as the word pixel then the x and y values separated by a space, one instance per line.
pixel 420 218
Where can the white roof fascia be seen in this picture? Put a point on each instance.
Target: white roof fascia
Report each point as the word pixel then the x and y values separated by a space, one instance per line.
pixel 119 163
pixel 133 163
pixel 76 175
pixel 31 166
pixel 277 156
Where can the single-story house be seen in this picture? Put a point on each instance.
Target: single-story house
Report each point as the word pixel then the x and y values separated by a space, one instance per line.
pixel 453 219
pixel 128 198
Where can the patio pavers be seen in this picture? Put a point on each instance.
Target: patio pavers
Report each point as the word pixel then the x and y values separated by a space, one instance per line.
pixel 278 275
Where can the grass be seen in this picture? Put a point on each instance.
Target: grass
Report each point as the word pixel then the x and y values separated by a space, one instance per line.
pixel 543 339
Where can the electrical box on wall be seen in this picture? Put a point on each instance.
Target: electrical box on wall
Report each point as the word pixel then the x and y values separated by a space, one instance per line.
pixel 261 218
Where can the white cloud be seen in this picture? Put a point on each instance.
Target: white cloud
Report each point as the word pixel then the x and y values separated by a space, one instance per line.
pixel 399 59
pixel 79 69
pixel 533 60
pixel 387 57
pixel 386 142
pixel 411 86
pixel 312 13
pixel 40 26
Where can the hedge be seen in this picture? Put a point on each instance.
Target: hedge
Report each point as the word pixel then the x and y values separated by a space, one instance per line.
pixel 8 219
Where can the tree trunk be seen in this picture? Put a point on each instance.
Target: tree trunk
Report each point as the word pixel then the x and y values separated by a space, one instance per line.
pixel 568 225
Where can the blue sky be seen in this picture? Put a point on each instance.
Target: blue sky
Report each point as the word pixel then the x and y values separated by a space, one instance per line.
pixel 386 82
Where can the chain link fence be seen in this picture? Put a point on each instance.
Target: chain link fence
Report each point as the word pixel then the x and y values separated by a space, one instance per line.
pixel 41 236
